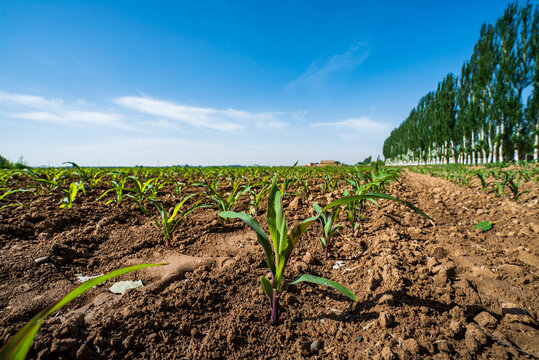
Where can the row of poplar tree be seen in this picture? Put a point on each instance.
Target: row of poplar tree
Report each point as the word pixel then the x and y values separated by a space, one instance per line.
pixel 487 114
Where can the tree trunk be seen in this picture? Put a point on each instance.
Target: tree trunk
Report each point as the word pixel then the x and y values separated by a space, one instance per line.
pixel 536 145
pixel 500 149
pixel 490 150
pixel 472 145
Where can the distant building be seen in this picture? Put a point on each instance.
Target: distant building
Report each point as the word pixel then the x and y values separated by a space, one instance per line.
pixel 329 163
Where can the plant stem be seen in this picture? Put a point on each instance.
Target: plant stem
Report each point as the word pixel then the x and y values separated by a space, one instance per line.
pixel 275 309
pixel 327 245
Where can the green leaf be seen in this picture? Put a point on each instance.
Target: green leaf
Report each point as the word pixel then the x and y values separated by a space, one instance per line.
pixel 322 281
pixel 20 343
pixel 261 236
pixel 267 288
pixel 298 230
pixel 372 195
pixel 484 225
pixel 274 216
pixel 317 208
pixel 178 207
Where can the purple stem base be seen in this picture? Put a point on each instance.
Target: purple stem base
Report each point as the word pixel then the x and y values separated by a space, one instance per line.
pixel 275 309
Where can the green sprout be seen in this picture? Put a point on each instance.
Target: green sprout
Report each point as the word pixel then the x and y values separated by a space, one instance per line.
pixel 168 223
pixel 71 194
pixel 283 243
pixel 327 219
pixel 18 346
pixel 257 197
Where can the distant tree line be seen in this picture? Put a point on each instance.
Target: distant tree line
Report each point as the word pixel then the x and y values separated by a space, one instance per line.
pixel 6 164
pixel 487 114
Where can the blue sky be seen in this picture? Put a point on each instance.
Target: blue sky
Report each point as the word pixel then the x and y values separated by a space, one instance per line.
pixel 221 82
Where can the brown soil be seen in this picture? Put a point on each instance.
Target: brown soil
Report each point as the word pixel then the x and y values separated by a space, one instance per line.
pixel 426 290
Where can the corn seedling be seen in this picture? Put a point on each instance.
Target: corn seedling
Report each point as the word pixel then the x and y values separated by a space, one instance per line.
pixel 118 188
pixel 327 220
pixel 513 183
pixel 283 243
pixel 168 222
pixel 18 346
pixel 352 213
pixel 71 194
pixel 222 201
pixel 139 193
pixel 9 192
pixel 481 176
pixel 52 182
pixel 306 189
pixel 257 196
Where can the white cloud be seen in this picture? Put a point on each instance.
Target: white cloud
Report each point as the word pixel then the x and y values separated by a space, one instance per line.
pixel 41 109
pixel 227 120
pixel 136 113
pixel 362 124
pixel 64 117
pixel 29 100
pixel 195 116
pixel 321 69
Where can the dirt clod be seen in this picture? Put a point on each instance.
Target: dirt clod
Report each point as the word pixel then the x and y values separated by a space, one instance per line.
pixel 386 319
pixel 486 320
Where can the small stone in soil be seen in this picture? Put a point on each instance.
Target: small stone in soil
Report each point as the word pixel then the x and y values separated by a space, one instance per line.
pixel 315 346
pixel 360 338
pixel 42 260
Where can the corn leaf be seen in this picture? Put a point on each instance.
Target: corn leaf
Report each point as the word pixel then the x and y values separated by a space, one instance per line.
pixel 322 281
pixel 369 196
pixel 19 345
pixel 261 236
pixel 267 288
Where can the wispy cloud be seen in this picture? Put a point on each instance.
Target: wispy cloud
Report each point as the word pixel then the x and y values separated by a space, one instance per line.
pixel 41 109
pixel 361 124
pixel 322 69
pixel 136 113
pixel 29 100
pixel 227 120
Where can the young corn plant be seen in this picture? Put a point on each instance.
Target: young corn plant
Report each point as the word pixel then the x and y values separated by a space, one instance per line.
pixel 513 183
pixel 481 176
pixel 118 188
pixel 327 219
pixel 18 346
pixel 141 192
pixel 71 195
pixel 279 250
pixel 257 196
pixel 9 192
pixel 352 212
pixel 168 222
pixel 54 179
pixel 222 201
pixel 306 189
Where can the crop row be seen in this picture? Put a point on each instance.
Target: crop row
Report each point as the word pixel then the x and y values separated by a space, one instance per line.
pixel 492 179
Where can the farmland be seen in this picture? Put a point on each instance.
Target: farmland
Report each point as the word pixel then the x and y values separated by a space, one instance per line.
pixel 441 288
